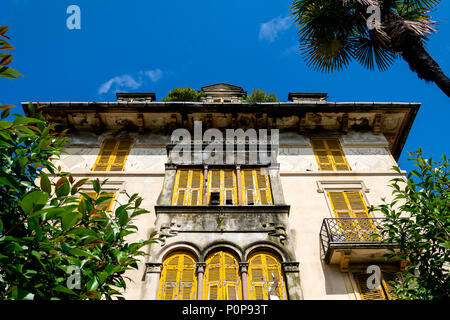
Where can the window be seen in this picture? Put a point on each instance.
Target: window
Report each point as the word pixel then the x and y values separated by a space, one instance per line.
pixel 188 190
pixel 383 292
pixel 221 187
pixel 178 280
pixel 265 277
pixel 113 155
pixel 350 208
pixel 223 181
pixel 329 155
pixel 222 278
pixel 255 187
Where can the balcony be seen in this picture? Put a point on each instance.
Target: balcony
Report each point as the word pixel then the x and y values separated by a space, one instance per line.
pixel 346 241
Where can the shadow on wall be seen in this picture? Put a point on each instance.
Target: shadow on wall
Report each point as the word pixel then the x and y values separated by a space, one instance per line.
pixel 334 280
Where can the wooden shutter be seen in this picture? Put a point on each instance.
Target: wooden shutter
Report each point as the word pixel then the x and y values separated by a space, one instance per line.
pixel 329 154
pixel 264 267
pixel 113 155
pixel 122 149
pixel 248 187
pixel 224 182
pixel 178 280
pixel 222 279
pixel 188 279
pixel 188 187
pixel 364 291
pixel 389 277
pixel 255 187
pixel 355 223
pixel 105 156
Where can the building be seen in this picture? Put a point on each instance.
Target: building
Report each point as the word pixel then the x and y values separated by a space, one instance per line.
pixel 232 227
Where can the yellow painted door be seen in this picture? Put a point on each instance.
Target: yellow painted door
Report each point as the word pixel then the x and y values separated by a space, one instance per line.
pixel 222 278
pixel 265 277
pixel 178 279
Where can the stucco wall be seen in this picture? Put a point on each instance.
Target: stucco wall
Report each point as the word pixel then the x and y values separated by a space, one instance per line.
pixel 367 155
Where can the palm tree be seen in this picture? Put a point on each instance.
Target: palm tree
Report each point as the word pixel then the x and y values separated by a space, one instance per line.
pixel 333 32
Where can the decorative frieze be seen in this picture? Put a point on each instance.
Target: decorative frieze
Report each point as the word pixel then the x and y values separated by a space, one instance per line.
pixel 290 266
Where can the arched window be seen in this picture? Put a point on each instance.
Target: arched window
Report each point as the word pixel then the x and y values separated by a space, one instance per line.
pixel 222 278
pixel 265 277
pixel 178 279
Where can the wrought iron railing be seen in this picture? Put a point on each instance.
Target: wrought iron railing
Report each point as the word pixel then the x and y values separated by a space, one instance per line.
pixel 350 231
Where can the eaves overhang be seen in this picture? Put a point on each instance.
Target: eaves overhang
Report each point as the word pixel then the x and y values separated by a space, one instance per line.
pixel 393 119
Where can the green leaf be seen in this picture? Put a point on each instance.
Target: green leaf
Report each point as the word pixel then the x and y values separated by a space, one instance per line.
pixel 84 232
pixel 45 183
pixel 63 189
pixel 5 124
pixel 78 184
pixel 34 201
pixel 92 285
pixel 63 289
pixel 81 253
pixel 5 113
pixel 96 185
pixel 26 120
pixel 69 219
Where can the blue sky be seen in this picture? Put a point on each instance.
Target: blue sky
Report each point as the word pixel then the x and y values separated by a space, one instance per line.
pixel 154 46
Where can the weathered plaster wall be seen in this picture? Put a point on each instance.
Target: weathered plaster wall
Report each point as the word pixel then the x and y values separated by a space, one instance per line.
pixel 366 153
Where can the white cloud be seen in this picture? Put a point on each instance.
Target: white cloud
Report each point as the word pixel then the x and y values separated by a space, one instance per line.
pixel 127 81
pixel 154 75
pixel 270 30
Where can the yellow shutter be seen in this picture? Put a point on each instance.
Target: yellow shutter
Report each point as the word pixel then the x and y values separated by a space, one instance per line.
pixel 222 278
pixel 255 187
pixel 178 279
pixel 113 155
pixel 364 291
pixel 329 155
pixel 223 181
pixel 387 285
pixel 188 187
pixel 350 204
pixel 264 274
pixel 122 150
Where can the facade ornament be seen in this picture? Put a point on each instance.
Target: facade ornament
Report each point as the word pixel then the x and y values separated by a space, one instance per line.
pixel 201 266
pixel 276 230
pixel 152 268
pixel 243 267
pixel 168 230
pixel 291 266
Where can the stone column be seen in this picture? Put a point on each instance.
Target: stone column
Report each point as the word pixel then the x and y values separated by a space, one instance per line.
pixel 200 272
pixel 165 197
pixel 244 269
pixel 151 278
pixel 205 189
pixel 239 185
pixel 293 285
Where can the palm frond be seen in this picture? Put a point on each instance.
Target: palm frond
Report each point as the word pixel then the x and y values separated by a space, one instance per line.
pixel 327 55
pixel 368 54
pixel 420 4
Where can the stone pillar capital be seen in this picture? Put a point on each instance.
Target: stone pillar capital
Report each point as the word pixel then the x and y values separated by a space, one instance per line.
pixel 291 266
pixel 243 266
pixel 153 267
pixel 200 267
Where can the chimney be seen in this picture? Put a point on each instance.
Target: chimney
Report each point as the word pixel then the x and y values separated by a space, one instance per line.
pixel 135 97
pixel 307 96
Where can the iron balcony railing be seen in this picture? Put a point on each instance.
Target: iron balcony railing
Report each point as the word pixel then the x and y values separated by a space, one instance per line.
pixel 359 231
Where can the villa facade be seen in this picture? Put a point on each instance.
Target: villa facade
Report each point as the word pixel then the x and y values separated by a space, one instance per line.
pixel 282 214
